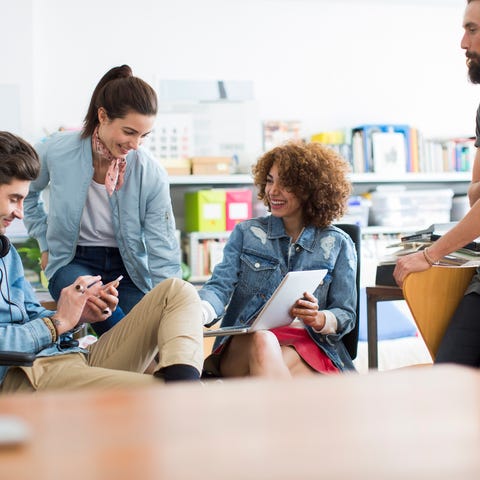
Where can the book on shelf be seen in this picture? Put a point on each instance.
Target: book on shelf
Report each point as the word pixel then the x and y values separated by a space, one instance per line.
pixel 336 140
pixel 365 136
pixel 203 253
pixel 389 153
pixel 414 165
pixel 358 154
pixel 455 154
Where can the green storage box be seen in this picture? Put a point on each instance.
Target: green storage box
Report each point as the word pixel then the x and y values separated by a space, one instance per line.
pixel 205 211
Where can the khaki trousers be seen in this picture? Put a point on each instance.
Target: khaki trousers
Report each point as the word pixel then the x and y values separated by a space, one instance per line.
pixel 168 320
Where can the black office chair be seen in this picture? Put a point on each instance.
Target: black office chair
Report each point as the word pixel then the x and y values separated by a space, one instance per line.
pixel 350 340
pixel 22 359
pixel 16 359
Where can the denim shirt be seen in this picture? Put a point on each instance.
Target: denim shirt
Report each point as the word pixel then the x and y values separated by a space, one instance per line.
pixel 142 214
pixel 21 326
pixel 257 256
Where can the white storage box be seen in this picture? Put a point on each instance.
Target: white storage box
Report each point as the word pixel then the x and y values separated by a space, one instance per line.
pixel 402 208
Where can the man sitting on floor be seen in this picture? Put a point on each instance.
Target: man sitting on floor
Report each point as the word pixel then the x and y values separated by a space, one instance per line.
pixel 168 320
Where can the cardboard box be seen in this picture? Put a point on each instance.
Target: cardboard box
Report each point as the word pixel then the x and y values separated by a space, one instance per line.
pixel 177 166
pixel 205 211
pixel 238 206
pixel 211 165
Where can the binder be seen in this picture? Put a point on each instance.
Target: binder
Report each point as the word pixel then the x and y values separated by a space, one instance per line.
pixel 368 129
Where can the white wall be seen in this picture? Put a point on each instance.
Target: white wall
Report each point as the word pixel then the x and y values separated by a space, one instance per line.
pixel 16 65
pixel 328 63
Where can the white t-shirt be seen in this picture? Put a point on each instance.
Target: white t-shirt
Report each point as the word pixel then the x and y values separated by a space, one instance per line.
pixel 96 227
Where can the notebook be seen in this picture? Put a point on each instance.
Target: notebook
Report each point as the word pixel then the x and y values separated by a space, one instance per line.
pixel 275 312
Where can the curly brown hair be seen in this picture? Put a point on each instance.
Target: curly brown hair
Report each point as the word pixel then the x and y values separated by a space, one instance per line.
pixel 313 172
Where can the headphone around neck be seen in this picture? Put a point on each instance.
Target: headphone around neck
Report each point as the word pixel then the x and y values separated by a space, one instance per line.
pixel 4 246
pixel 4 249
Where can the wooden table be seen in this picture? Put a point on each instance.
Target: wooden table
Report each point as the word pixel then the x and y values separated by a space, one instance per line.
pixel 420 423
pixel 375 294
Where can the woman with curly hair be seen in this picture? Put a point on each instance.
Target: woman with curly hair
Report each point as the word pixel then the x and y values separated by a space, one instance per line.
pixel 305 187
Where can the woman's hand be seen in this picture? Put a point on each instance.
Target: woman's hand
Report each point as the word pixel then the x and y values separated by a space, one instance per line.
pixel 415 262
pixel 44 260
pixel 306 309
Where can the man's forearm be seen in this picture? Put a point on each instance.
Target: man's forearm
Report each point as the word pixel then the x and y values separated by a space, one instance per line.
pixel 474 188
pixel 466 230
pixel 473 192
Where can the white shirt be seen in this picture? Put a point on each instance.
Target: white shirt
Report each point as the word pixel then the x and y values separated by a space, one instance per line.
pixel 96 227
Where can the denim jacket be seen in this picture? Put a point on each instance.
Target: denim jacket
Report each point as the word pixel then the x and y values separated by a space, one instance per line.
pixel 257 256
pixel 21 326
pixel 142 214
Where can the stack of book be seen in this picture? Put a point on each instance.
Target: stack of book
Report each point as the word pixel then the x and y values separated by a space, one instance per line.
pixel 469 255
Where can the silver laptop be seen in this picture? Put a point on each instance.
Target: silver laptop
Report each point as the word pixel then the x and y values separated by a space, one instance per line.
pixel 275 313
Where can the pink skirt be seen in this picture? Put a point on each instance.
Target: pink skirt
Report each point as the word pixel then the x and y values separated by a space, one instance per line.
pixel 300 340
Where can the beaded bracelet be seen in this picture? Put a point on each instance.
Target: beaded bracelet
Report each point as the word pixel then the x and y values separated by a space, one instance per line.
pixel 428 259
pixel 53 331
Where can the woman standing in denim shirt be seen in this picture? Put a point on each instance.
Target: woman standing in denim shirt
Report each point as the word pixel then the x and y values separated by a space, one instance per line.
pixel 110 211
pixel 305 187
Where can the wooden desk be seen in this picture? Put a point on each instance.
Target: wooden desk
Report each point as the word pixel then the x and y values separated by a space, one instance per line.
pixel 378 293
pixel 421 423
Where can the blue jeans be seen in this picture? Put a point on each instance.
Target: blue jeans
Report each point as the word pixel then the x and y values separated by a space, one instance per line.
pixel 104 261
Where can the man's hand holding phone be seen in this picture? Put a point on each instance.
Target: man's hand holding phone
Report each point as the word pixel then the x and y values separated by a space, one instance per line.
pixel 102 301
pixel 114 283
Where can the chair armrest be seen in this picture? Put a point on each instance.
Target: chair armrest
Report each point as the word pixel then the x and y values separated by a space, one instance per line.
pixel 15 359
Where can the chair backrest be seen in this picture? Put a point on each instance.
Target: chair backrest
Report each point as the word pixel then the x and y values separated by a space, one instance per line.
pixel 433 296
pixel 350 340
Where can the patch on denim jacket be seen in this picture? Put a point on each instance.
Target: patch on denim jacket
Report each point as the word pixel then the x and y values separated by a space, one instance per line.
pixel 326 244
pixel 259 233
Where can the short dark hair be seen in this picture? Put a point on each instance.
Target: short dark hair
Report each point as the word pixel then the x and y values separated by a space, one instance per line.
pixel 18 159
pixel 119 93
pixel 315 173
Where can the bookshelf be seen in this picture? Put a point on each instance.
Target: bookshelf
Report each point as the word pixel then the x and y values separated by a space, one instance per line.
pixel 206 180
pixel 375 238
pixel 457 181
pixel 203 250
pixel 356 178
pixel 362 183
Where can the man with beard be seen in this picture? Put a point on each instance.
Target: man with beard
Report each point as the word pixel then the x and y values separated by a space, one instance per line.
pixel 461 343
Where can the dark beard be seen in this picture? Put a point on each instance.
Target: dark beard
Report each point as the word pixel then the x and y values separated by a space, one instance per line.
pixel 474 67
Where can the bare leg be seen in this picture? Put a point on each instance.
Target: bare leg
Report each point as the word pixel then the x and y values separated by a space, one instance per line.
pixel 256 354
pixel 294 362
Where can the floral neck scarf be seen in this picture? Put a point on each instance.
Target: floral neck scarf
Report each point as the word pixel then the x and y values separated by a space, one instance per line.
pixel 116 170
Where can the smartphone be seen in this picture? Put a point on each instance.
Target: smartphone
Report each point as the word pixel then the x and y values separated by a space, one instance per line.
pixel 113 283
